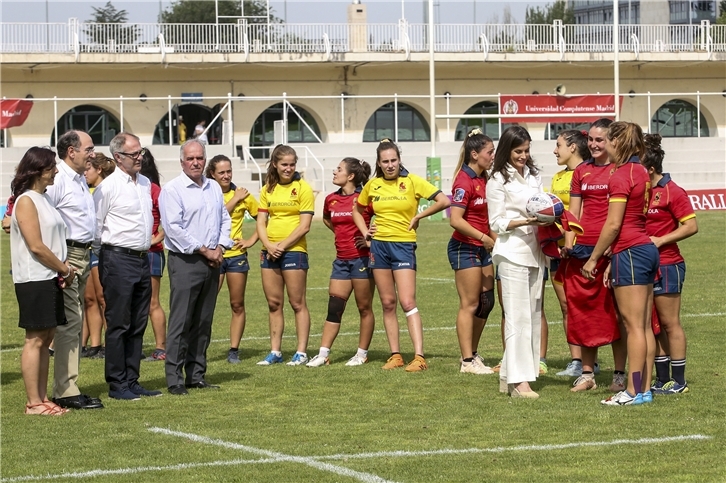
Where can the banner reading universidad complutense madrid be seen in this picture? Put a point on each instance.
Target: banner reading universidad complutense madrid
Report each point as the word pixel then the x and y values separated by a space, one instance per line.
pixel 597 105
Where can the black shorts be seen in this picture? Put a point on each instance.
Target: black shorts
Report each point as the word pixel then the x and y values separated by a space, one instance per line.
pixel 40 305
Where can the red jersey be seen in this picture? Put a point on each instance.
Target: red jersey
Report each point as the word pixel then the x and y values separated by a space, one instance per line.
pixel 590 184
pixel 469 192
pixel 669 207
pixel 630 184
pixel 338 208
pixel 155 192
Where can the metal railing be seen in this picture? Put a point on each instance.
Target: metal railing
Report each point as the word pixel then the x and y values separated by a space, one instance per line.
pixel 83 37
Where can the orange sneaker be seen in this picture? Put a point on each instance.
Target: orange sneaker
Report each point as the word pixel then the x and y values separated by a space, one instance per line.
pixel 394 362
pixel 417 364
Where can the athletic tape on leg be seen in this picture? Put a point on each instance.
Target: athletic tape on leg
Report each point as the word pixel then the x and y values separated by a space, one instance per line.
pixel 412 311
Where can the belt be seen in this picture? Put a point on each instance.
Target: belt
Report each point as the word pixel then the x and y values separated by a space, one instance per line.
pixel 75 244
pixel 124 250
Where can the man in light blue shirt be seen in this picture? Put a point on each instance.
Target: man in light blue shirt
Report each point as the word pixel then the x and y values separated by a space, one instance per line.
pixel 197 227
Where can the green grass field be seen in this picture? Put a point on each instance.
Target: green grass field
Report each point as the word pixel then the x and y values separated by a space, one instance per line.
pixel 340 424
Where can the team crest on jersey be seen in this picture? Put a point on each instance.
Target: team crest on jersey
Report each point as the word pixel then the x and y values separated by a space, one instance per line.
pixel 476 188
pixel 333 202
pixel 612 171
pixel 293 193
pixel 656 199
pixel 402 187
pixel 459 195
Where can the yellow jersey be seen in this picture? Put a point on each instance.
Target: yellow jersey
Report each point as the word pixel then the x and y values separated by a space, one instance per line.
pixel 284 206
pixel 561 186
pixel 247 205
pixel 395 203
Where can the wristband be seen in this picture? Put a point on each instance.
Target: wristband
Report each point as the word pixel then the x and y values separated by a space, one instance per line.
pixel 69 272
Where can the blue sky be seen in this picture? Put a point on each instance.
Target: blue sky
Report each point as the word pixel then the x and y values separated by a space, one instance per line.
pixel 298 11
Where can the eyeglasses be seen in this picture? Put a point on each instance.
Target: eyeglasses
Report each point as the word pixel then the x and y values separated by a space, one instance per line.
pixel 135 154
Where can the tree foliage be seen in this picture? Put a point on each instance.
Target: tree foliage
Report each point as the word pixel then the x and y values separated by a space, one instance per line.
pixel 721 20
pixel 551 12
pixel 104 27
pixel 203 11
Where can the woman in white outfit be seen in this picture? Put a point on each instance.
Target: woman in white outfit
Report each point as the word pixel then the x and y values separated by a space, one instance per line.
pixel 519 258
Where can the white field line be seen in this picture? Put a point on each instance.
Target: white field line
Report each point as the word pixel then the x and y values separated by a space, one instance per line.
pixel 282 458
pixel 403 330
pixel 338 470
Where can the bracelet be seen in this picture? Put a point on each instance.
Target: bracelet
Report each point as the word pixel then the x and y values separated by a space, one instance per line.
pixel 69 272
pixel 482 237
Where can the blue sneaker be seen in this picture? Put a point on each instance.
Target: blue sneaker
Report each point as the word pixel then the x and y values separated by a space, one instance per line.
pixel 647 397
pixel 596 370
pixel 573 369
pixel 657 387
pixel 270 359
pixel 672 387
pixel 298 359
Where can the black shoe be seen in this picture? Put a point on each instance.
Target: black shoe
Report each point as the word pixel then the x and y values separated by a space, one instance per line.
pixel 201 385
pixel 78 402
pixel 84 351
pixel 178 390
pixel 141 391
pixel 124 395
pixel 93 352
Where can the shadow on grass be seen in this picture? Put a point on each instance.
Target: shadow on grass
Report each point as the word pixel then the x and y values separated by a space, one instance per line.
pixel 10 377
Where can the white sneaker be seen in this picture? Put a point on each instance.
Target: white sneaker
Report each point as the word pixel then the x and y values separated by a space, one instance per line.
pixel 475 367
pixel 356 360
pixel 316 361
pixel 298 359
pixel 573 369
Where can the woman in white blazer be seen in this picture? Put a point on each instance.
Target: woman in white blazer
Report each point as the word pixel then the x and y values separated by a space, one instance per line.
pixel 519 258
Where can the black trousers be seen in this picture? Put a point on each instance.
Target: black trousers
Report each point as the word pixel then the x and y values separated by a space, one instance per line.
pixel 192 300
pixel 126 282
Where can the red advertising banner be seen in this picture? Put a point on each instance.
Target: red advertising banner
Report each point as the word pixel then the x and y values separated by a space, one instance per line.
pixel 14 112
pixel 548 108
pixel 714 199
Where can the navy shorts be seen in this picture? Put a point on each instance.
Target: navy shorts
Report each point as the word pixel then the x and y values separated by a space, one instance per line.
pixel 237 264
pixel 554 264
pixel 545 274
pixel 671 279
pixel 157 262
pixel 465 255
pixel 288 261
pixel 350 269
pixel 94 260
pixel 393 255
pixel 635 266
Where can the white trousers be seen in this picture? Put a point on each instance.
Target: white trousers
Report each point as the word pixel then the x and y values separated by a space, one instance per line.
pixel 522 299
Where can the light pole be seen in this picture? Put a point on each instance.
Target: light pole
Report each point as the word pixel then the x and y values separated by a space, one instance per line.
pixel 432 81
pixel 616 56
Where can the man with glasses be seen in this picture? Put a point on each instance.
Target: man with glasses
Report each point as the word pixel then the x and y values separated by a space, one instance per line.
pixel 196 225
pixel 72 198
pixel 123 237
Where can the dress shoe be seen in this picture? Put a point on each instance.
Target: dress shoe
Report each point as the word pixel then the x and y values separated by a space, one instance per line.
pixel 123 395
pixel 178 390
pixel 201 385
pixel 141 391
pixel 78 402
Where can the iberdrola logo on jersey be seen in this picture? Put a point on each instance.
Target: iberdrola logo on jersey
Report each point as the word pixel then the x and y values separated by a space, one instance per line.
pixel 293 193
pixel 402 187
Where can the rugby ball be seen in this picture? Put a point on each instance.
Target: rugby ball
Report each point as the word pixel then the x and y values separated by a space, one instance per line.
pixel 546 207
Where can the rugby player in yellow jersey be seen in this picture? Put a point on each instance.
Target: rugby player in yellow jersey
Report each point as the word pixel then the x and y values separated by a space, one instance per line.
pixel 394 195
pixel 235 266
pixel 570 151
pixel 284 217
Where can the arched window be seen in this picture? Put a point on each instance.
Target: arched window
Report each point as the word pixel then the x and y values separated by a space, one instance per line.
pixel 489 126
pixel 677 118
pixel 263 130
pixel 411 124
pixel 100 124
pixel 191 114
pixel 555 128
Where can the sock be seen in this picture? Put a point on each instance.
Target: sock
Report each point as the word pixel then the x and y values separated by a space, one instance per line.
pixel 678 367
pixel 543 359
pixel 577 360
pixel 233 349
pixel 394 353
pixel 277 353
pixel 324 352
pixel 619 372
pixel 302 353
pixel 362 353
pixel 662 368
pixel 587 373
pixel 469 359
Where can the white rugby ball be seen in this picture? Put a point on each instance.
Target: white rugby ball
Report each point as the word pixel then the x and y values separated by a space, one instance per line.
pixel 546 207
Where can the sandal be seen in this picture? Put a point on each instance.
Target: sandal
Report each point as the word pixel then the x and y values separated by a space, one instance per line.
pixel 48 409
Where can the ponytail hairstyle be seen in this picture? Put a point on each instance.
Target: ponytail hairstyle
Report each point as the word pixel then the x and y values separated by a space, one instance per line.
pixel 31 167
pixel 212 165
pixel 579 139
pixel 384 145
pixel 628 140
pixel 654 154
pixel 148 167
pixel 360 170
pixel 104 164
pixel 272 178
pixel 475 141
pixel 512 137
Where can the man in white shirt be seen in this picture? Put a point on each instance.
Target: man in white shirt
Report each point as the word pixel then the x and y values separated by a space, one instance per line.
pixel 123 237
pixel 71 197
pixel 196 226
pixel 199 133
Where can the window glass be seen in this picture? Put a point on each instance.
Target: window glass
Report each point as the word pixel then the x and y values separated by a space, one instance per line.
pixel 678 118
pixel 412 126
